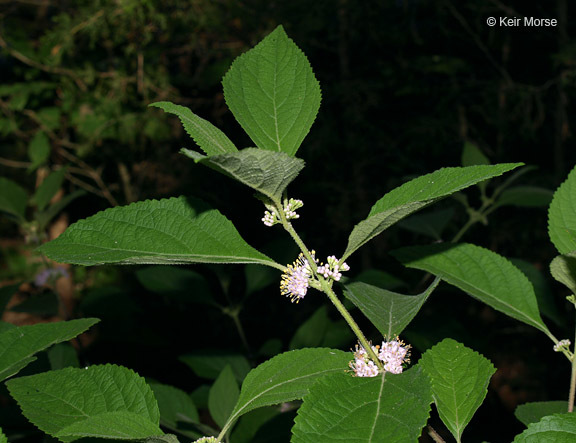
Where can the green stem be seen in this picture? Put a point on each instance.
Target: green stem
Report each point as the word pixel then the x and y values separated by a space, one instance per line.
pixel 434 435
pixel 326 287
pixel 572 382
pixel 463 230
pixel 236 319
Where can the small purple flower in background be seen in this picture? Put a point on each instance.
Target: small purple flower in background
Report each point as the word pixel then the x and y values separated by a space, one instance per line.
pixel 49 274
pixel 394 354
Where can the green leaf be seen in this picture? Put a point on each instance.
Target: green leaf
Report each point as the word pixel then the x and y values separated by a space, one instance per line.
pixel 287 377
pixel 223 396
pixel 273 93
pixel 388 311
pixel 472 155
pixel 38 150
pixel 118 425
pixel 13 199
pixel 563 269
pixel 562 216
pixel 176 282
pixel 525 196
pixel 99 401
pixel 311 333
pixel 169 231
pixel 210 365
pixel 207 136
pixel 544 296
pixel 46 303
pixel 459 378
pixel 4 326
pixel 176 408
pixel 534 412
pixel 6 293
pixel 417 194
pixel 431 224
pixel 481 273
pixel 3 438
pixel 18 345
pixel 249 424
pixel 48 188
pixel 258 277
pixel 386 408
pixel 559 428
pixel 267 172
pixel 62 356
pixel 53 210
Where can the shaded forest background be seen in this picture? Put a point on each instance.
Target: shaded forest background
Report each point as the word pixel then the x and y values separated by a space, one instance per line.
pixel 405 84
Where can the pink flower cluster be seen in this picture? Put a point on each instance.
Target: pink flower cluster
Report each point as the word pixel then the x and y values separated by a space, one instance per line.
pixel 393 354
pixel 296 279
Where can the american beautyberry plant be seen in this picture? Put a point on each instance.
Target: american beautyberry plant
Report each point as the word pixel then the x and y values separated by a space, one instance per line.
pixel 370 394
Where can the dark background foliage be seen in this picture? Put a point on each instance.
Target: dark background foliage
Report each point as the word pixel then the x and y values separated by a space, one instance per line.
pixel 405 83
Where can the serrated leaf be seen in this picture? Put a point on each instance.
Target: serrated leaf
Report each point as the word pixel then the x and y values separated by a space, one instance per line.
pixel 472 155
pixel 48 188
pixel 387 408
pixel 481 273
pixel 525 196
pixel 223 396
pixel 417 194
pixel 273 93
pixel 389 312
pixel 207 136
pixel 534 412
pixel 118 425
pixel 18 345
pixel 13 198
pixel 210 365
pixel 267 172
pixel 111 401
pixel 170 231
pixel 38 150
pixel 167 438
pixel 176 408
pixel 287 377
pixel 563 269
pixel 559 428
pixel 562 216
pixel 459 378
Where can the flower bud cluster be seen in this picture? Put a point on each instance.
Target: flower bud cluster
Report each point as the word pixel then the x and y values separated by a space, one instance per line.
pixel 562 345
pixel 271 216
pixel 331 269
pixel 394 354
